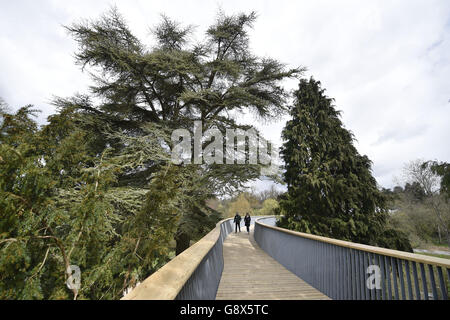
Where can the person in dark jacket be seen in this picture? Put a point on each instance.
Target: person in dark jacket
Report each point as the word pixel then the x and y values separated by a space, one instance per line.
pixel 247 220
pixel 237 222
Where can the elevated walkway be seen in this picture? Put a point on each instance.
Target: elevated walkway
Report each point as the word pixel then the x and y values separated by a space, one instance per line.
pixel 251 274
pixel 276 263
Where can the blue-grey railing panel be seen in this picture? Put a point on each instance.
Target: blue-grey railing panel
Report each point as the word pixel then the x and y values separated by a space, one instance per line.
pixel 204 282
pixel 343 272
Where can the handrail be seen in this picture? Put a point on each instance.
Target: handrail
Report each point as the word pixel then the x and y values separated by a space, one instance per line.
pixel 168 281
pixel 363 247
pixel 346 270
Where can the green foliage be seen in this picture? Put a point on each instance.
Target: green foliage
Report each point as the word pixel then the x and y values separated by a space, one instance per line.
pixel 396 239
pixel 442 169
pixel 176 81
pixel 417 217
pixel 46 227
pixel 415 191
pixel 262 203
pixel 331 190
pixel 240 205
pixel 61 205
pixel 172 84
pixel 269 207
pixel 95 187
pixel 25 189
pixel 429 177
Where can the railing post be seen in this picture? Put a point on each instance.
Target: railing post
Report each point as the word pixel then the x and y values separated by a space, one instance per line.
pixel 433 282
pixel 416 280
pixel 402 280
pixel 377 263
pixel 424 281
pixel 388 275
pixel 362 278
pixel 349 274
pixel 442 284
pixel 394 278
pixel 408 280
pixel 383 277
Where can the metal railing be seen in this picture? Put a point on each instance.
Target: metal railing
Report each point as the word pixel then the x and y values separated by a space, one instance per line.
pixel 192 275
pixel 204 281
pixel 350 271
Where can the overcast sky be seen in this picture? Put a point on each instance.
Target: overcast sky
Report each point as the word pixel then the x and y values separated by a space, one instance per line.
pixel 386 63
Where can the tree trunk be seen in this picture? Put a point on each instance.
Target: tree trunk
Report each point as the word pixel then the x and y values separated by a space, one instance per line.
pixel 182 242
pixel 447 233
pixel 441 221
pixel 439 234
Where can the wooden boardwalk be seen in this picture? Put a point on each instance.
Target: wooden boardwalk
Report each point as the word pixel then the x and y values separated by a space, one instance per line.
pixel 251 274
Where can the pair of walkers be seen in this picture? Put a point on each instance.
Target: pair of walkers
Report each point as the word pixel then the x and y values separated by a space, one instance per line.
pixel 237 222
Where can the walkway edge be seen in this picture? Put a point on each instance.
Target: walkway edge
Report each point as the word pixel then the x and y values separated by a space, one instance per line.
pixel 168 281
pixel 363 247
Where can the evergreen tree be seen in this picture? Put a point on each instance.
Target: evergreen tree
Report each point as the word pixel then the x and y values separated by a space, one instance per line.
pixel 42 232
pixel 172 84
pixel 331 190
pixel 61 205
pixel 95 187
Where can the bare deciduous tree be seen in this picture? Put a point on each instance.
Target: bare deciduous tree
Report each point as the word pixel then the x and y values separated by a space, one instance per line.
pixel 419 171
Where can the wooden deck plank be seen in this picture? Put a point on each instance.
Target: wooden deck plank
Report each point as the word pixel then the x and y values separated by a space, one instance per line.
pixel 251 274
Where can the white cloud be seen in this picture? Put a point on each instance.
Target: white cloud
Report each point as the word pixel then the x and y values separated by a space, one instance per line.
pixel 385 62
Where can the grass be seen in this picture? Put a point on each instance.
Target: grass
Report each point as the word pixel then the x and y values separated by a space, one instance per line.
pixel 444 256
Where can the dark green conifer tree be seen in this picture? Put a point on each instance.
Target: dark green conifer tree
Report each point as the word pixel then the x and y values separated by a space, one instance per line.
pixel 173 83
pixel 95 186
pixel 331 190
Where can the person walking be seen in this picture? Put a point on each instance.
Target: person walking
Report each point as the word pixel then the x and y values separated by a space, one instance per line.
pixel 247 220
pixel 237 222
